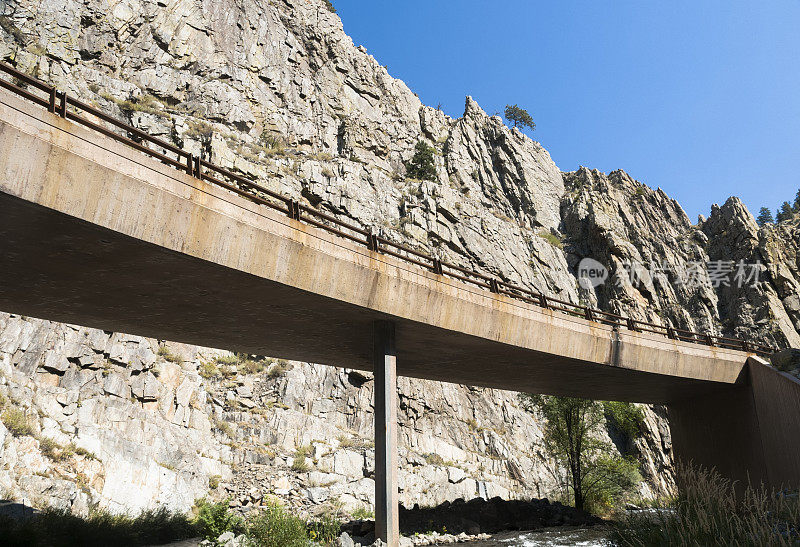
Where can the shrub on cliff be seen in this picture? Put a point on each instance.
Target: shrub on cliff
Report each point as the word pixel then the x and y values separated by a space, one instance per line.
pixel 421 166
pixel 273 526
pixel 16 421
pixel 214 519
pixel 519 116
pixel 324 530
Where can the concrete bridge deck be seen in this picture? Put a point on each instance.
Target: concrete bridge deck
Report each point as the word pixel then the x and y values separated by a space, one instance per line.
pixel 95 233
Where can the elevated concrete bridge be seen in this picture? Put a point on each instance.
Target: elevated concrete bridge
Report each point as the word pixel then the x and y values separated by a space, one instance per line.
pixel 96 233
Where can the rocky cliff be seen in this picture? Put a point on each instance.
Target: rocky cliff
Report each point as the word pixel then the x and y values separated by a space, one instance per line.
pixel 276 89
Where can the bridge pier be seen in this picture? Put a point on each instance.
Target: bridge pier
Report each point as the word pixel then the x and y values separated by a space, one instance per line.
pixel 387 523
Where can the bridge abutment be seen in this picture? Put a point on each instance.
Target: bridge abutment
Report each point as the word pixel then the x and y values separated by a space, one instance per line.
pixel 750 432
pixel 387 523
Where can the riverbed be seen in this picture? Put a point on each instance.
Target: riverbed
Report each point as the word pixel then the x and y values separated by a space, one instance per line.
pixel 595 536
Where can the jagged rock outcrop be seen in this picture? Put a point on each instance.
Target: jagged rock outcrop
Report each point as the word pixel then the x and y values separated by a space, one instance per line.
pixel 668 271
pixel 278 91
pixel 646 240
pixel 766 307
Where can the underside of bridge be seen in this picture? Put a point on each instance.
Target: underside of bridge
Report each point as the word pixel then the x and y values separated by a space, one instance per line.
pixel 93 233
pixel 68 270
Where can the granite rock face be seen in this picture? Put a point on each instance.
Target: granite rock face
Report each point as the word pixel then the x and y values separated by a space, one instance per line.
pixel 747 283
pixel 643 237
pixel 767 308
pixel 276 90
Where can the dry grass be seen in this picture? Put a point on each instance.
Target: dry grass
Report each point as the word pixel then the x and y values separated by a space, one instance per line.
pixel 144 103
pixel 235 363
pixel 299 464
pixel 225 428
pixel 168 355
pixel 208 369
pixel 199 130
pixel 17 422
pixel 551 238
pixel 54 451
pixel 434 459
pixel 278 369
pixel 711 510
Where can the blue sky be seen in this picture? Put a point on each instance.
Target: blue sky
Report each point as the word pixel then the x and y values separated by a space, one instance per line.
pixel 701 98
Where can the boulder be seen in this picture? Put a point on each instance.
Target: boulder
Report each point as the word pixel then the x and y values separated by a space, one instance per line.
pixel 786 360
pixel 145 386
pixel 114 384
pixel 55 362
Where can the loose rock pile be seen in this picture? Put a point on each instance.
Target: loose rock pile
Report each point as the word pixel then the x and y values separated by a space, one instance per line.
pixel 469 520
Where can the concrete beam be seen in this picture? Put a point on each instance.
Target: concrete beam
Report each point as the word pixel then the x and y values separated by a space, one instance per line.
pixel 387 522
pixel 177 258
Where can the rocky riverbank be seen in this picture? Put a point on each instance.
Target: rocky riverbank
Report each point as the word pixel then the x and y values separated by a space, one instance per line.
pixel 480 516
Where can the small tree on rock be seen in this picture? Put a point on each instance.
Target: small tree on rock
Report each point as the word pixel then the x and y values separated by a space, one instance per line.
pixel 765 217
pixel 596 475
pixel 421 166
pixel 797 203
pixel 785 212
pixel 519 117
pixel 329 5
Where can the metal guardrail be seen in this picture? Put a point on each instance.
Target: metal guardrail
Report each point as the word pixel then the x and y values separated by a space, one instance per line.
pixel 68 107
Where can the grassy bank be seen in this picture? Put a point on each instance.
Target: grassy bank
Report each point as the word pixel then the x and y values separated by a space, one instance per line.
pixel 272 526
pixel 711 510
pixel 55 527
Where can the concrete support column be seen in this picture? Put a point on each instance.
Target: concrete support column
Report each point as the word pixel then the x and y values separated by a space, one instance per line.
pixel 387 523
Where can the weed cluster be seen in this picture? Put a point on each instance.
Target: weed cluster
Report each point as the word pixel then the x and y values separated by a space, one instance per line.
pixel 17 422
pixel 551 238
pixel 168 355
pixel 271 526
pixel 712 510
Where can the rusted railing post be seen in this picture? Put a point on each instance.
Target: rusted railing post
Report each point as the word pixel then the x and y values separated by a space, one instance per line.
pixel 588 314
pixel 51 105
pixel 709 340
pixel 631 324
pixel 494 286
pixel 671 333
pixel 372 241
pixel 543 301
pixel 293 209
pixel 197 173
pixel 190 164
pixel 62 110
pixel 437 266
